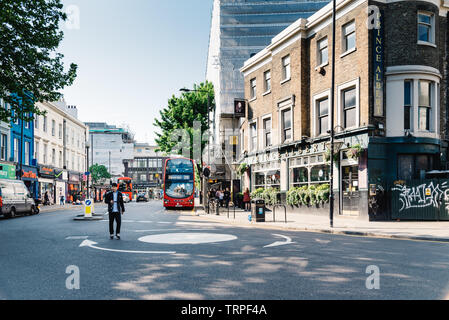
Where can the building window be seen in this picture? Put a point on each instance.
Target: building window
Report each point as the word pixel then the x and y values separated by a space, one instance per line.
pixel 36 121
pixel 414 166
pixel 267 131
pixel 253 89
pixel 16 150
pixel 408 103
pixel 286 68
pixel 323 115
pixel 267 81
pixel 60 131
pixel 53 127
pixel 349 98
pixel 323 53
pixel 45 124
pixel 425 27
pixel 27 153
pixel 60 159
pixel 4 146
pixel 253 133
pixel 286 117
pixel 45 154
pixel 36 151
pixel 259 180
pixel 425 105
pixel 53 157
pixel 299 176
pixel 319 174
pixel 349 36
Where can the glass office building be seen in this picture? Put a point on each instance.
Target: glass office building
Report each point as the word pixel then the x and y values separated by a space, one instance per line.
pixel 240 29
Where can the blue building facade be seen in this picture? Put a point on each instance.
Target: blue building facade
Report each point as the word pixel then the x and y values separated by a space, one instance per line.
pixel 24 153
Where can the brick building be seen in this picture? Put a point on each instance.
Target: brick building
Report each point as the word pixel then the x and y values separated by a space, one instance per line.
pixel 390 102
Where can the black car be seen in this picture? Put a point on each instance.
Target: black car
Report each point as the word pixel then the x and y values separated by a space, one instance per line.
pixel 142 197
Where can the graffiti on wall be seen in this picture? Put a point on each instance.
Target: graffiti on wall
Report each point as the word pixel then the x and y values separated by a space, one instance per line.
pixel 425 195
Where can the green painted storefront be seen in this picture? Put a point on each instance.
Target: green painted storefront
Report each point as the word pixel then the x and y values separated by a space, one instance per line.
pixel 7 171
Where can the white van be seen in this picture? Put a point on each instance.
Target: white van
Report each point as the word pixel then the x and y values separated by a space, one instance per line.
pixel 16 198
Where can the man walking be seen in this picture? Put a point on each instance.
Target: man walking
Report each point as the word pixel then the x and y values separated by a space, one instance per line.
pixel 116 208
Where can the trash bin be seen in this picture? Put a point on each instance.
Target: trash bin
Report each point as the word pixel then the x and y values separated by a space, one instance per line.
pixel 258 210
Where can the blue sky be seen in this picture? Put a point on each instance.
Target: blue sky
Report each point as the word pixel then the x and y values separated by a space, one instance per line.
pixel 133 55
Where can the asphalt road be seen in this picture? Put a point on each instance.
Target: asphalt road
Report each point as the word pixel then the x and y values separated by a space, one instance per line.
pixel 207 260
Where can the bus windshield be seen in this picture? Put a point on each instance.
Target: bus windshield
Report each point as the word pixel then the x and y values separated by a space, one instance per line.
pixel 124 186
pixel 179 178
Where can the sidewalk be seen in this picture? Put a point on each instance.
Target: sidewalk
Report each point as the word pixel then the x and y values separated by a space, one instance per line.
pixel 414 230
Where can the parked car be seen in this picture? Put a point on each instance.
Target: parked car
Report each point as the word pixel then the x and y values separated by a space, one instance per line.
pixel 16 199
pixel 142 197
pixel 126 198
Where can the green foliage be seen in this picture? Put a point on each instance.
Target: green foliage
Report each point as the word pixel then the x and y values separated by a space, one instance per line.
pixel 304 195
pixel 31 69
pixel 322 193
pixel 268 194
pixel 242 169
pixel 258 193
pixel 99 172
pixel 179 116
pixel 293 196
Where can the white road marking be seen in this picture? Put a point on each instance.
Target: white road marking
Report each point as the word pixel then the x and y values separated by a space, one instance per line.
pixel 280 243
pixel 158 230
pixel 187 238
pixel 76 237
pixel 92 244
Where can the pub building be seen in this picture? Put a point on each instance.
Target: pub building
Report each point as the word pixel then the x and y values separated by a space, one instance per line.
pixel 390 102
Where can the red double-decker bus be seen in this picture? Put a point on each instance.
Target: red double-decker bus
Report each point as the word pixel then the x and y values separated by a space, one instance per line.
pixel 179 183
pixel 125 186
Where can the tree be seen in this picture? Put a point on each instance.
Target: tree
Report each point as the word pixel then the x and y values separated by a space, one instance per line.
pixel 30 68
pixel 99 172
pixel 181 113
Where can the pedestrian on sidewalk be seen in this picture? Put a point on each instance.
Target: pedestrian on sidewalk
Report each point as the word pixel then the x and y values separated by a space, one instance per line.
pixel 46 199
pixel 116 207
pixel 220 197
pixel 61 200
pixel 227 197
pixel 247 200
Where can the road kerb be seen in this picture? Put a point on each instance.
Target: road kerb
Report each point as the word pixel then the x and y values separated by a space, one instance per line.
pixel 327 230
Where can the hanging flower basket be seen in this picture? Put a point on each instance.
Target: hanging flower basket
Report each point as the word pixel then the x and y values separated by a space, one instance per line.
pixel 327 156
pixel 242 169
pixel 354 152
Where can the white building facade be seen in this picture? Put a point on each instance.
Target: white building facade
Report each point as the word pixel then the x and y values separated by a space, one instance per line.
pixel 60 151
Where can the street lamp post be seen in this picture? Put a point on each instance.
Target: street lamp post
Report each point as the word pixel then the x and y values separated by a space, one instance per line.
pixel 331 205
pixel 87 169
